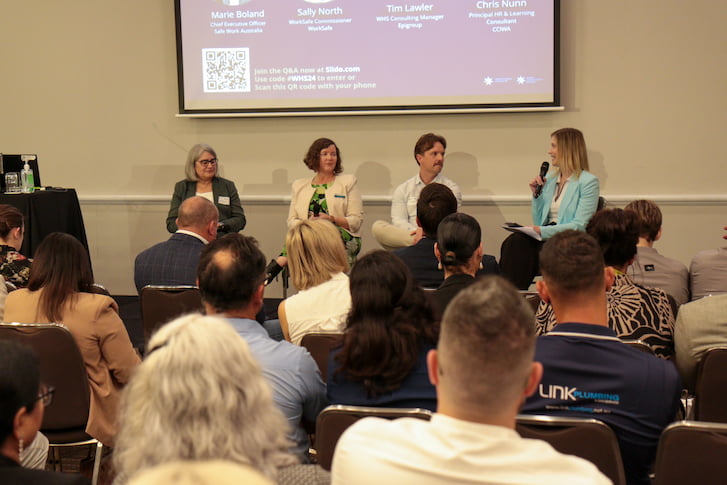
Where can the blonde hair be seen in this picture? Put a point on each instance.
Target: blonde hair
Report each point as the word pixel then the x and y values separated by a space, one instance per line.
pixel 194 153
pixel 213 472
pixel 315 252
pixel 200 395
pixel 572 153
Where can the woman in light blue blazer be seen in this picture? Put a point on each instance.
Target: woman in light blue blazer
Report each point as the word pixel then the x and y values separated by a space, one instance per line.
pixel 568 199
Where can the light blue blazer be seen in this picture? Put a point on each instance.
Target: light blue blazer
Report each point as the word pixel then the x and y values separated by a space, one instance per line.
pixel 580 201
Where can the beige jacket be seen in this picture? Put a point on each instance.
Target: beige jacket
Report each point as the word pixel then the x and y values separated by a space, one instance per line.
pixel 343 199
pixel 105 346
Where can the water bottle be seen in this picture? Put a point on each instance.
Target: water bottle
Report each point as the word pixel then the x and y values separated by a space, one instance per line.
pixel 27 179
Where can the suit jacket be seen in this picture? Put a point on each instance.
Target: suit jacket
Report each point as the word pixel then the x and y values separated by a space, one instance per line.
pixel 423 263
pixel 231 212
pixel 104 343
pixel 343 199
pixel 172 262
pixel 12 473
pixel 580 200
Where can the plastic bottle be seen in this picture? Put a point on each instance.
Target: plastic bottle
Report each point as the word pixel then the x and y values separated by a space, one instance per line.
pixel 27 179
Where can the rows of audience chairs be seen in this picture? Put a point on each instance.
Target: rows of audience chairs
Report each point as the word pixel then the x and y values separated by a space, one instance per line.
pixel 690 451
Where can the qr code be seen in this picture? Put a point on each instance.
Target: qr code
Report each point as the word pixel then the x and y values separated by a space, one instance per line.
pixel 226 70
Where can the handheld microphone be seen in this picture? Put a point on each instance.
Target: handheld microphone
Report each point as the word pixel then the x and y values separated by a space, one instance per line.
pixel 543 171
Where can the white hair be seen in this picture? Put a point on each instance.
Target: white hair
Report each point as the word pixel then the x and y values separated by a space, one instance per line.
pixel 200 395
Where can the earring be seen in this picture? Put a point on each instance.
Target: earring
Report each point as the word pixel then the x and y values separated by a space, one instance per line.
pixel 20 447
pixel 439 266
pixel 481 267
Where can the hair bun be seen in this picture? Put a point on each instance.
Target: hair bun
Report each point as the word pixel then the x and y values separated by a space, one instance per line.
pixel 449 258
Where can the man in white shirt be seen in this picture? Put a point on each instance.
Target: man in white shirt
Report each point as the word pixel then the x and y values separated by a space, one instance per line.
pixel 650 268
pixel 403 231
pixel 483 370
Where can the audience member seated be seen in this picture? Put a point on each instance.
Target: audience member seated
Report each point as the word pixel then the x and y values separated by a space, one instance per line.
pixel 174 261
pixel 202 178
pixel 634 312
pixel 403 230
pixel 483 369
pixel 700 325
pixel 651 268
pixel 436 201
pixel 389 331
pixel 60 291
pixel 22 401
pixel 588 371
pixel 318 266
pixel 459 252
pixel 708 272
pixel 14 267
pixel 231 274
pixel 565 199
pixel 200 472
pixel 199 395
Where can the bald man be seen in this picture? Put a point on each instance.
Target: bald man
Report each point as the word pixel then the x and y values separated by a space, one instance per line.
pixel 174 261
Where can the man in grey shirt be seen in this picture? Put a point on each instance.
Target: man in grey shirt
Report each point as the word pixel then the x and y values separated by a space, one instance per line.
pixel 708 272
pixel 650 268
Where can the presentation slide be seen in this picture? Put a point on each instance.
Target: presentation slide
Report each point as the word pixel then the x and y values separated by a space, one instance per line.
pixel 328 55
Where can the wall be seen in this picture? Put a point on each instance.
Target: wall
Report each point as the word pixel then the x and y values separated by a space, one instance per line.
pixel 91 87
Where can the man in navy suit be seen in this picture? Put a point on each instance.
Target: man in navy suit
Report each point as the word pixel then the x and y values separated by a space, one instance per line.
pixel 436 202
pixel 174 261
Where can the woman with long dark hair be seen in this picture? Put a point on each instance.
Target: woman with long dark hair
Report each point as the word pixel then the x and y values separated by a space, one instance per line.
pixel 389 331
pixel 60 290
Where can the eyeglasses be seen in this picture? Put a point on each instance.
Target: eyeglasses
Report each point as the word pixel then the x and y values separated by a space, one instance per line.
pixel 206 163
pixel 46 395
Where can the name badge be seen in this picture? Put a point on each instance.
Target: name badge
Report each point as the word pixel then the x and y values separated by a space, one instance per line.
pixel 339 196
pixel 222 200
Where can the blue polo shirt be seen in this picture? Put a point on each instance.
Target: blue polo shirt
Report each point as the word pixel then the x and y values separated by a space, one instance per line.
pixel 588 372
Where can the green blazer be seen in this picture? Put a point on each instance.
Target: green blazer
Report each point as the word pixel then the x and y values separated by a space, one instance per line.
pixel 225 197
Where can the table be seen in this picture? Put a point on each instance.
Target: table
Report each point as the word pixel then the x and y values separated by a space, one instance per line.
pixel 45 212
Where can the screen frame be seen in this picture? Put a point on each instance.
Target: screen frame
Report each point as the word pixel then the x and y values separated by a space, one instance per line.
pixel 368 110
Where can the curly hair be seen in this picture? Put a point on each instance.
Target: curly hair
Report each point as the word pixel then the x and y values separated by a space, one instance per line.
pixel 389 322
pixel 312 159
pixel 200 395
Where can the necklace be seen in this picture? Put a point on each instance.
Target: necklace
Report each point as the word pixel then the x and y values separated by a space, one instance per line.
pixel 559 188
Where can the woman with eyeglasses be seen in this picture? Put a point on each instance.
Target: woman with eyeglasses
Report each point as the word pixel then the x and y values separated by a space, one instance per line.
pixel 202 178
pixel 22 403
pixel 61 290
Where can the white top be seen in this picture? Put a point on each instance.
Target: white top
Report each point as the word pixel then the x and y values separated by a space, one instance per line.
pixel 555 204
pixel 321 309
pixel 207 195
pixel 446 450
pixel 405 197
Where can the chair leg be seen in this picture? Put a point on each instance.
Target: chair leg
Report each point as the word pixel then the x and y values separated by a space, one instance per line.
pixel 56 458
pixel 97 463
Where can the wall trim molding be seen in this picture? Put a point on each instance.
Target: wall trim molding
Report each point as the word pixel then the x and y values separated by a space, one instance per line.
pixel 381 200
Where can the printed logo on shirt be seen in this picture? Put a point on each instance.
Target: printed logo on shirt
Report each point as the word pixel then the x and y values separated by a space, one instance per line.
pixel 649 267
pixel 565 393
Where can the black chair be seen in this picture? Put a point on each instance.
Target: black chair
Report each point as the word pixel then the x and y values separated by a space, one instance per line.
pixel 61 366
pixel 161 304
pixel 320 345
pixel 334 420
pixel 710 398
pixel 692 452
pixel 590 439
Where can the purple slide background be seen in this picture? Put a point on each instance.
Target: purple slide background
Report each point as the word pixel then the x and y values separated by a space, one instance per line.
pixel 449 57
